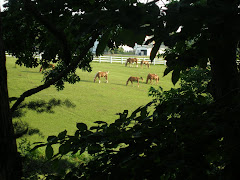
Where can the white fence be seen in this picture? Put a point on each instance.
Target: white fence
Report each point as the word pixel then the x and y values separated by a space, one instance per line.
pixel 122 59
pixel 119 59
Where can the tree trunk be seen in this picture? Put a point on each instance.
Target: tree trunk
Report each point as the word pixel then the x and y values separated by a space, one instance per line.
pixel 225 78
pixel 10 164
pixel 225 75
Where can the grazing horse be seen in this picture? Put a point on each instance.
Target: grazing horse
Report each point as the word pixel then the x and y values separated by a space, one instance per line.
pixel 146 63
pixel 100 74
pixel 133 79
pixel 152 77
pixel 131 61
pixel 45 67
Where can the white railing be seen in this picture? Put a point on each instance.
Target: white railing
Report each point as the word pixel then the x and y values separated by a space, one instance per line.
pixel 122 59
pixel 119 59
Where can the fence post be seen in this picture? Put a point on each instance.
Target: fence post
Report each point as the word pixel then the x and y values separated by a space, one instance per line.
pixel 110 59
pixel 99 59
pixel 154 61
pixel 165 62
pixel 122 60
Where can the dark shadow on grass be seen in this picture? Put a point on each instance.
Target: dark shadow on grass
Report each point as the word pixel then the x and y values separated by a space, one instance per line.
pixel 40 106
pixel 34 72
pixel 23 129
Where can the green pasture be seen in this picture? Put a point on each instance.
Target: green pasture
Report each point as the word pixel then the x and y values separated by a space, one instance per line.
pixel 90 101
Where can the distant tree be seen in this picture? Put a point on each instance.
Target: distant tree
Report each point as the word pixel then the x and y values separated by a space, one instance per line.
pixel 63 32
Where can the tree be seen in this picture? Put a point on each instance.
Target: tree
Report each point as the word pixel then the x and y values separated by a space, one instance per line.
pixel 9 158
pixel 63 32
pixel 189 135
pixel 198 32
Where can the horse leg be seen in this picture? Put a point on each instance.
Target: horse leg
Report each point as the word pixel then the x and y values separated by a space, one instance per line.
pixel 106 77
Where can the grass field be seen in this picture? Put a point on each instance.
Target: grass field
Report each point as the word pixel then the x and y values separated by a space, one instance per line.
pixel 92 101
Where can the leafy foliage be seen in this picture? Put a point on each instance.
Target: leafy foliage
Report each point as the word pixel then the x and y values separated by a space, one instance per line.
pixel 64 32
pixel 193 32
pixel 183 138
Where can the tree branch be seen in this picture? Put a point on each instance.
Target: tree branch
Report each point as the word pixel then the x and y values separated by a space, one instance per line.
pixel 67 54
pixel 60 36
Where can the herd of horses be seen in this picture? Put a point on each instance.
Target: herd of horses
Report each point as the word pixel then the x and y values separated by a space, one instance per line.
pixel 135 60
pixel 150 77
pixel 100 74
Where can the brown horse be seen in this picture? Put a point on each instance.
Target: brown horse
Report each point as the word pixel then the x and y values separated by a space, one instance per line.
pixel 100 74
pixel 134 79
pixel 131 61
pixel 146 63
pixel 152 77
pixel 46 67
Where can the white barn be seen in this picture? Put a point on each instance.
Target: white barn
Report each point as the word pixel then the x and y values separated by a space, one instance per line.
pixel 145 50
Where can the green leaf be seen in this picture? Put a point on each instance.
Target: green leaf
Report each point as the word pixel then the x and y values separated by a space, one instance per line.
pixel 166 71
pixel 95 148
pixel 175 76
pixel 82 126
pixel 102 43
pixel 155 50
pixel 62 135
pixel 49 152
pixel 92 1
pixel 52 139
pixel 64 148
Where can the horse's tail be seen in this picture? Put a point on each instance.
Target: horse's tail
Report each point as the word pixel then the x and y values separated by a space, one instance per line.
pixel 40 69
pixel 95 76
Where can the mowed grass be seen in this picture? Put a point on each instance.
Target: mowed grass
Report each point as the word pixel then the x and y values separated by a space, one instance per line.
pixel 92 101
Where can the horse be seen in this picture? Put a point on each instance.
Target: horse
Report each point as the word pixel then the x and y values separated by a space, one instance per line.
pixel 131 61
pixel 146 63
pixel 100 74
pixel 45 67
pixel 152 77
pixel 134 79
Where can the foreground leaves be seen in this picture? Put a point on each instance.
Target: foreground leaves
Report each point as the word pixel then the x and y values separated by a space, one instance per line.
pixel 182 138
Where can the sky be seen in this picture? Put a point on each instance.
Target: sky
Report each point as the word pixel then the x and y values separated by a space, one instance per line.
pixel 1 2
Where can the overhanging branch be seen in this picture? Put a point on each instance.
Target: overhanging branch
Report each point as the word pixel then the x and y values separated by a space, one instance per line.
pixel 67 54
